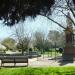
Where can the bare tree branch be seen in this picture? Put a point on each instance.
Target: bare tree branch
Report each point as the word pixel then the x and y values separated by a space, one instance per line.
pixel 54 21
pixel 67 16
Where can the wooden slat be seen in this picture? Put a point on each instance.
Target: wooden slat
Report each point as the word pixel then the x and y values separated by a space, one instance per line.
pixel 7 58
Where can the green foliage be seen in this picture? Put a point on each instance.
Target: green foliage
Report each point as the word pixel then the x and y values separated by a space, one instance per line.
pixel 47 45
pixel 3 48
pixel 74 1
pixel 9 43
pixel 56 37
pixel 15 10
pixel 39 40
pixel 39 71
pixel 23 44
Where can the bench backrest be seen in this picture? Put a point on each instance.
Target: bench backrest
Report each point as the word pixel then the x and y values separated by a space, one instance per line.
pixel 14 58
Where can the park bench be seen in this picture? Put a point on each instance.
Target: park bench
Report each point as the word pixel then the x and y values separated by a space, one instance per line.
pixel 33 54
pixel 13 58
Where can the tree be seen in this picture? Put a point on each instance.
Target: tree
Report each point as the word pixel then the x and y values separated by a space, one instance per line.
pixel 47 45
pixel 74 1
pixel 23 44
pixel 39 40
pixel 23 39
pixel 64 7
pixel 56 37
pixel 9 43
pixel 12 11
pixel 61 8
pixel 2 48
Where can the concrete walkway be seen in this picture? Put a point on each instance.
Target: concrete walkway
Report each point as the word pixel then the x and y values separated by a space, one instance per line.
pixel 40 62
pixel 43 62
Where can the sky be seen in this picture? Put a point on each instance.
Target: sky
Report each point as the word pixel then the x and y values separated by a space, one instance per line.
pixel 40 23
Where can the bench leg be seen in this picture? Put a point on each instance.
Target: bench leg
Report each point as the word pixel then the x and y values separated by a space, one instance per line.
pixel 14 64
pixel 1 64
pixel 27 64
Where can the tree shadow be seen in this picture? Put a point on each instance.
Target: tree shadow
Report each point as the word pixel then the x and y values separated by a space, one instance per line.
pixel 60 60
pixel 64 62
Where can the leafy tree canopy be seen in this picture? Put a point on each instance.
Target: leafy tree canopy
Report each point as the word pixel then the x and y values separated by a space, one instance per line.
pixel 74 1
pixel 12 11
pixel 9 43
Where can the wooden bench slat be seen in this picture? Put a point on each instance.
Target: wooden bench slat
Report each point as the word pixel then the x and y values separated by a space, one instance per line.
pixel 6 58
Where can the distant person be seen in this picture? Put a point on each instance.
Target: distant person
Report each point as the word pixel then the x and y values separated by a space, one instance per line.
pixel 30 49
pixel 60 50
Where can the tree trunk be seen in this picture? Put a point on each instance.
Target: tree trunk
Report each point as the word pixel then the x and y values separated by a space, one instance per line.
pixel 22 51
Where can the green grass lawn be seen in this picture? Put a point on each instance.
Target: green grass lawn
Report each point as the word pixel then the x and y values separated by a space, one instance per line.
pixel 52 54
pixel 38 71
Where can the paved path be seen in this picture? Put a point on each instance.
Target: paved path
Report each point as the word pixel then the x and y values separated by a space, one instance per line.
pixel 44 62
pixel 48 62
